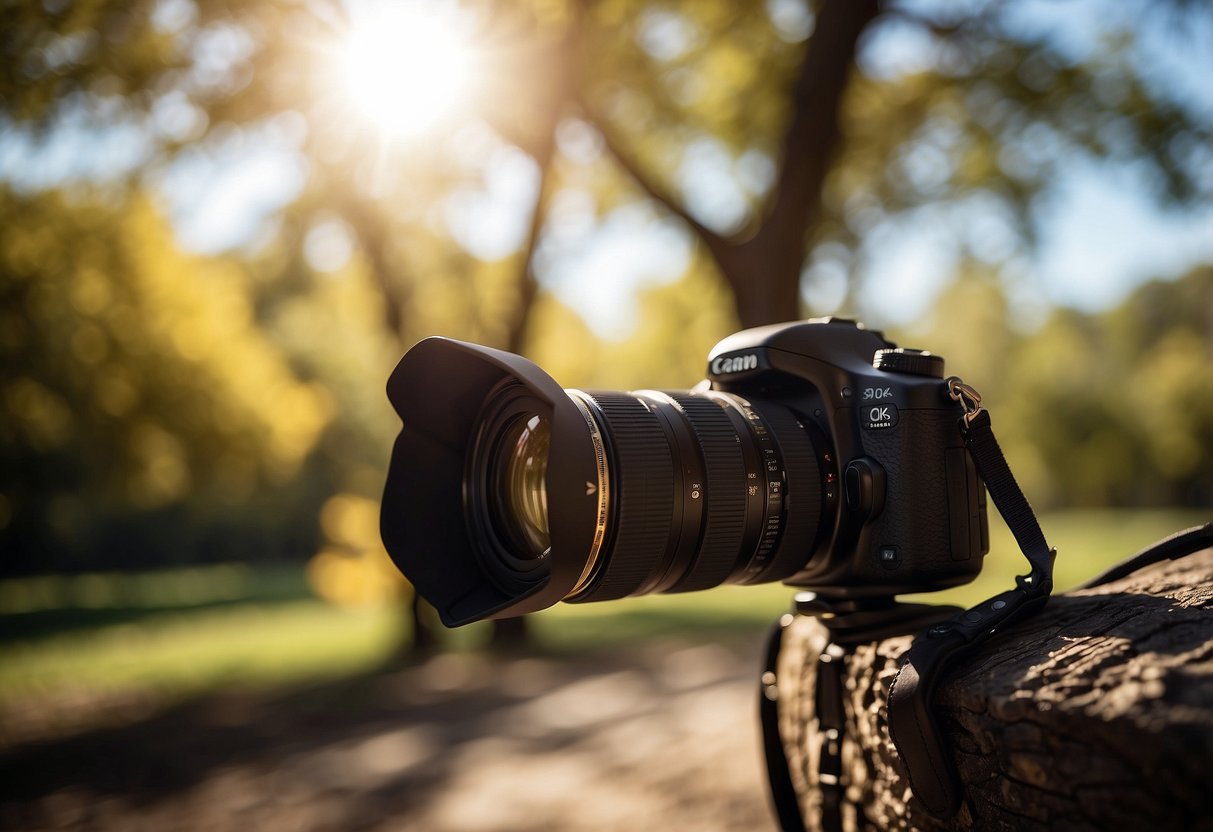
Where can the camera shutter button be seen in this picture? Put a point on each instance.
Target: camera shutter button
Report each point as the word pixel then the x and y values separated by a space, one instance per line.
pixel 863 484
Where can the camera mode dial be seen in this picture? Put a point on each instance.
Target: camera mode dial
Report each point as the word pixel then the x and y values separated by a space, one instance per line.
pixel 913 362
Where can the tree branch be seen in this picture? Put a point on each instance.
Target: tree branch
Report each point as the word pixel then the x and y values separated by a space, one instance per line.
pixel 721 248
pixel 764 270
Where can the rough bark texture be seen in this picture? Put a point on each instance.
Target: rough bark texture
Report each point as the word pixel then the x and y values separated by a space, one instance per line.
pixel 1095 714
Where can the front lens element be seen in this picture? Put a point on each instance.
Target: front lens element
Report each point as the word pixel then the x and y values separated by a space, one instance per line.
pixel 505 488
pixel 519 494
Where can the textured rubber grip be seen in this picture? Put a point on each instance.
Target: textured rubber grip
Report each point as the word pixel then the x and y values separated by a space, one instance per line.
pixel 643 471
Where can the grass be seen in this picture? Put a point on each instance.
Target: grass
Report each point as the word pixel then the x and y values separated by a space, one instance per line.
pixel 49 604
pixel 181 632
pixel 1087 543
pixel 194 650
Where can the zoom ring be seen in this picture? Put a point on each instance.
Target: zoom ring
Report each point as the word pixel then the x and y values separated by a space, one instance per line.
pixel 724 512
pixel 644 495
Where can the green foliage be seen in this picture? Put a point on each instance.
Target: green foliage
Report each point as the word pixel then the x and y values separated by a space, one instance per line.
pixel 136 377
pixel 674 73
pixel 54 52
pixel 331 330
pixel 999 117
pixel 987 111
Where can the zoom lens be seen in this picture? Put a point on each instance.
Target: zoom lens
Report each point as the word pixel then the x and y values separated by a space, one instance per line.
pixel 704 489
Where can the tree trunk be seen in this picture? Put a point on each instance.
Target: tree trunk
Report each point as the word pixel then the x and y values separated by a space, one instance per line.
pixel 764 271
pixel 1095 714
pixel 765 283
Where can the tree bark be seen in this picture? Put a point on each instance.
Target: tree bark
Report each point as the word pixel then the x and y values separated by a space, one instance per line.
pixel 1095 714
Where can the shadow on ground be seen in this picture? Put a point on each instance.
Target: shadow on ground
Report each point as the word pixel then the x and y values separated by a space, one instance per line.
pixel 656 737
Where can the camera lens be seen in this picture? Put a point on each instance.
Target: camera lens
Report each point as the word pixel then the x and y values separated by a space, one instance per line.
pixel 705 488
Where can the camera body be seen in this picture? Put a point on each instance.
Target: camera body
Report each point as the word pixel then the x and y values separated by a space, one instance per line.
pixel 909 510
pixel 815 453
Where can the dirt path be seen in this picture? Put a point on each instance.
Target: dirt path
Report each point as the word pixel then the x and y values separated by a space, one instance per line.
pixel 661 737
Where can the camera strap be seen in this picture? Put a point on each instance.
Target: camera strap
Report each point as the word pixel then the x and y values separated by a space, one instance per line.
pixel 912 721
pixel 950 635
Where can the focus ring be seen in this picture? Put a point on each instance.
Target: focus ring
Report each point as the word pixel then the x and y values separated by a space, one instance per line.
pixel 644 470
pixel 802 497
pixel 724 510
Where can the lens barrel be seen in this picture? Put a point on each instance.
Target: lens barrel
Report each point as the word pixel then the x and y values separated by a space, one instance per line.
pixel 711 488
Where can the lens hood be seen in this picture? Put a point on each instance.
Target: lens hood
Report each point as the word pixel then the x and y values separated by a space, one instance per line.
pixel 440 390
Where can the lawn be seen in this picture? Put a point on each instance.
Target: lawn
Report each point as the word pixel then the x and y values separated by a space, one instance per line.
pixel 176 633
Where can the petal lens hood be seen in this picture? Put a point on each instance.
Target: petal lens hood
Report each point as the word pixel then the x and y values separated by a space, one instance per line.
pixel 445 392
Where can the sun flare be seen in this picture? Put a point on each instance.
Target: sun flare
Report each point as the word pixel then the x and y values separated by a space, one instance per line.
pixel 404 66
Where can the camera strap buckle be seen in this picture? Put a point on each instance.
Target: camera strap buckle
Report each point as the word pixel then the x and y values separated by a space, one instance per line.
pixel 968 397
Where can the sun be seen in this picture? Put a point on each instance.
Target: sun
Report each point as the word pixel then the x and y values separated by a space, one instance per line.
pixel 405 66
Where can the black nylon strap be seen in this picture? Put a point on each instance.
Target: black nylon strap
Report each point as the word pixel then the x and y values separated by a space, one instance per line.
pixel 783 794
pixel 912 723
pixel 1178 545
pixel 1006 493
pixel 831 721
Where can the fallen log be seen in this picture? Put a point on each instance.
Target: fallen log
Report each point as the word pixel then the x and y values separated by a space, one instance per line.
pixel 1095 714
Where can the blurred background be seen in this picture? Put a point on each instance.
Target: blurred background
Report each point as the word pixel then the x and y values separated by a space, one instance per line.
pixel 221 224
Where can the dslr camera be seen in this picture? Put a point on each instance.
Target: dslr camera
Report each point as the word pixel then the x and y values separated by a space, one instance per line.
pixel 816 453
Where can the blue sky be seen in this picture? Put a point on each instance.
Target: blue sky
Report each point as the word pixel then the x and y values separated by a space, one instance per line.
pixel 1100 237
